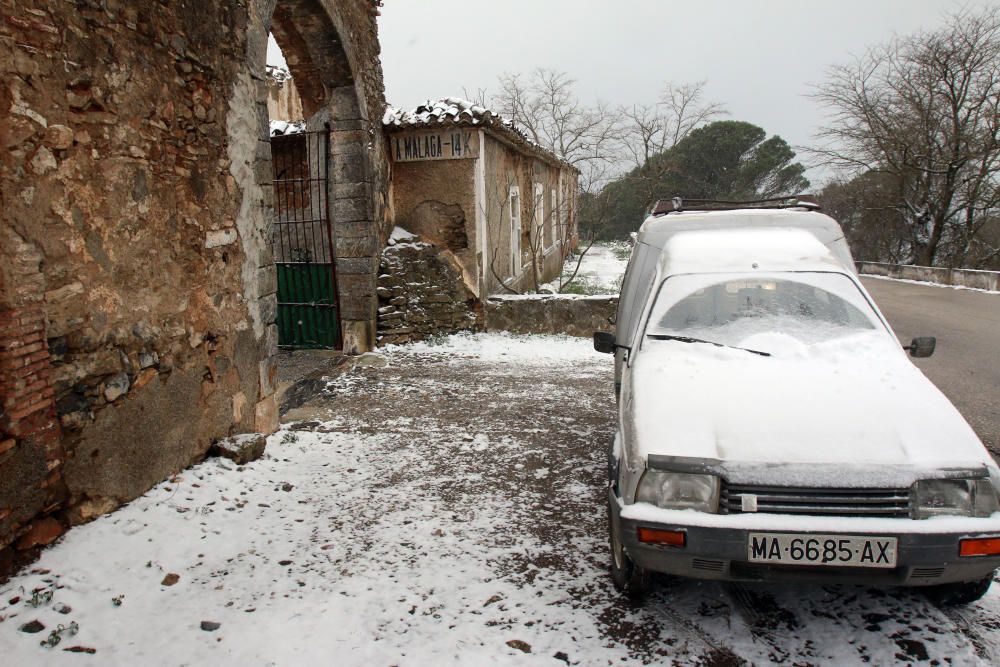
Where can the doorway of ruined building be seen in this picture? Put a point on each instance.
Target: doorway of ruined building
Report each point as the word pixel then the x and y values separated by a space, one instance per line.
pixel 302 242
pixel 322 215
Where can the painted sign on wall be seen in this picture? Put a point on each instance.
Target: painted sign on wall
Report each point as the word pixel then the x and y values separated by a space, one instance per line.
pixel 451 144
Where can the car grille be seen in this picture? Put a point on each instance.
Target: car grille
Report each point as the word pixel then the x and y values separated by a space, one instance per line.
pixel 822 501
pixel 926 572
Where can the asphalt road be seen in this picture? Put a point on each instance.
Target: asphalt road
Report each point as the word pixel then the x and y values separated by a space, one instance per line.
pixel 966 363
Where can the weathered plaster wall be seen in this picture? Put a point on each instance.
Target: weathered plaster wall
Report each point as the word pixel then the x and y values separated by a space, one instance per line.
pixel 283 101
pixel 505 167
pixel 137 289
pixel 436 200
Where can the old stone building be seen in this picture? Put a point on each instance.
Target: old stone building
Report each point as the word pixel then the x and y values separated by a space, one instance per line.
pixel 137 281
pixel 488 205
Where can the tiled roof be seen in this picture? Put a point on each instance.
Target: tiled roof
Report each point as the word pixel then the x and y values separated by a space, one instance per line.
pixel 439 112
pixel 279 74
pixel 282 127
pixel 457 111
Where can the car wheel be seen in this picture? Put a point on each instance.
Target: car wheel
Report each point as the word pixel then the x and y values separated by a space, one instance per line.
pixel 628 577
pixel 962 593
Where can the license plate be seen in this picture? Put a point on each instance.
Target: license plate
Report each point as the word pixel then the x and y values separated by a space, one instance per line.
pixel 831 550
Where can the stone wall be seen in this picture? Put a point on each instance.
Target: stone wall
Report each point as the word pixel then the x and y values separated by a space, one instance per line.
pixel 569 314
pixel 988 280
pixel 421 293
pixel 137 288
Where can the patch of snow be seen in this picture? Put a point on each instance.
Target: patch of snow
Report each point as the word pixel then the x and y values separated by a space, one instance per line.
pixel 504 347
pixel 439 111
pixel 557 297
pixel 601 269
pixel 743 249
pixel 400 235
pixel 823 406
pixel 817 524
pixel 278 73
pixel 407 540
pixel 283 127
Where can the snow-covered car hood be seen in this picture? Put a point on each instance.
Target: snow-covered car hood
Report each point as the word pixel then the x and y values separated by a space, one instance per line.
pixel 852 411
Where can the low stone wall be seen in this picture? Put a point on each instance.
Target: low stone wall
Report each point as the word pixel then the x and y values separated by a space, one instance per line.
pixel 421 294
pixel 988 280
pixel 570 314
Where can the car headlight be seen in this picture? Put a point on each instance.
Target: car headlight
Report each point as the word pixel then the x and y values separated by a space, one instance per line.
pixel 955 497
pixel 679 490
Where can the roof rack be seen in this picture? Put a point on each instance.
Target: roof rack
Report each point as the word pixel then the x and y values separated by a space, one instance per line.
pixel 679 205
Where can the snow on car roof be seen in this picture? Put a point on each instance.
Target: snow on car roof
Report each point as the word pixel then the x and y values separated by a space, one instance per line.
pixel 746 249
pixel 659 230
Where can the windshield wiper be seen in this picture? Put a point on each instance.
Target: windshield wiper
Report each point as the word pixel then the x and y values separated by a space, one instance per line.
pixel 688 339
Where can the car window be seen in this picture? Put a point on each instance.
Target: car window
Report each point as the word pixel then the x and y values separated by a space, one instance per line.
pixel 810 307
pixel 635 288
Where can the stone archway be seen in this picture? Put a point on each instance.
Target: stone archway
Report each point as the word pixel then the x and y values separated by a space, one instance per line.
pixel 136 283
pixel 322 63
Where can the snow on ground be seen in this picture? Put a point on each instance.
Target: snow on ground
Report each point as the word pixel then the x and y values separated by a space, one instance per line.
pixel 442 506
pixel 927 283
pixel 601 270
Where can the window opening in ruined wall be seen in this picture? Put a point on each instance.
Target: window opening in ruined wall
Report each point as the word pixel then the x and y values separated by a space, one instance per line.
pixel 551 221
pixel 538 211
pixel 515 230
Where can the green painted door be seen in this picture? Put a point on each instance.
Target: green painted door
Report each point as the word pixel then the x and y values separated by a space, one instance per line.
pixel 307 308
pixel 308 313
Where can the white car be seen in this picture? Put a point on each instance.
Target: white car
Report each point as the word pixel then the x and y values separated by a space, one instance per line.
pixel 771 427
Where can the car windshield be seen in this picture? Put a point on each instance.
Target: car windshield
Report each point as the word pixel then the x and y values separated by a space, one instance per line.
pixel 760 311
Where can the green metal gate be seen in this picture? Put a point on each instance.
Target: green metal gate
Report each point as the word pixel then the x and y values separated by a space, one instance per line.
pixel 303 245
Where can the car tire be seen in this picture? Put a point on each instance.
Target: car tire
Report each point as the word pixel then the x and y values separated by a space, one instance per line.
pixel 961 593
pixel 629 578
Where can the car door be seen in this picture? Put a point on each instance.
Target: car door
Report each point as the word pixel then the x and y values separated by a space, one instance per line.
pixel 636 287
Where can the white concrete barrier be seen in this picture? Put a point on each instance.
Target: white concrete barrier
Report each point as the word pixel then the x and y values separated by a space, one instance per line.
pixel 988 280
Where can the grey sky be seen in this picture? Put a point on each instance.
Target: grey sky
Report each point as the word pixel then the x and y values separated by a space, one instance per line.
pixel 759 57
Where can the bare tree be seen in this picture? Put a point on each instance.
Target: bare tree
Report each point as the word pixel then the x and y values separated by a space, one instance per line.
pixel 649 130
pixel 533 231
pixel 544 105
pixel 924 110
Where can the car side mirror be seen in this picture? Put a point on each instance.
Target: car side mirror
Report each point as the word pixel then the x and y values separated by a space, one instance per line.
pixel 604 342
pixel 921 346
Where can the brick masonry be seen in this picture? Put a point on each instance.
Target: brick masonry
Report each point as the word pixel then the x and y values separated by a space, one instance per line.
pixel 31 453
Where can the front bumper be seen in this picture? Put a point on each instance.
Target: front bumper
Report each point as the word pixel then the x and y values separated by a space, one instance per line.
pixel 719 550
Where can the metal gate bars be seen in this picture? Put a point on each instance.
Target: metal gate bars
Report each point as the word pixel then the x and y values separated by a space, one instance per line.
pixel 303 242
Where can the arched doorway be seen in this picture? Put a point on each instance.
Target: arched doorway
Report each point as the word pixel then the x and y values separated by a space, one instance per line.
pixel 334 100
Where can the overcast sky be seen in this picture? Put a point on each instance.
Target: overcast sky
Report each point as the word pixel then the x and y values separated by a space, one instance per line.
pixel 758 57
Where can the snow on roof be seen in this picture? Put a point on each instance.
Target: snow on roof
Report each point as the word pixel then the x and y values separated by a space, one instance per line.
pixel 745 249
pixel 450 111
pixel 278 73
pixel 657 231
pixel 283 127
pixel 445 110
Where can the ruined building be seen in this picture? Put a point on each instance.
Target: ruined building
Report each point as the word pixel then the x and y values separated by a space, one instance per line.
pixel 493 213
pixel 137 278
